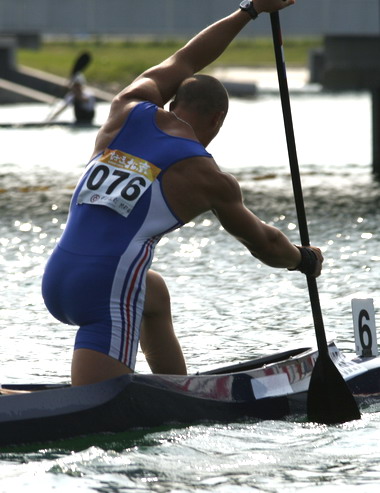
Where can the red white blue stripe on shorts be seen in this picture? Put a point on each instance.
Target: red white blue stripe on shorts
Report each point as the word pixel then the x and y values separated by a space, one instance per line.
pixel 127 303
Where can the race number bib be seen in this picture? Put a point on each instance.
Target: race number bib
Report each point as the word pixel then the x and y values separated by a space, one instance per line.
pixel 117 180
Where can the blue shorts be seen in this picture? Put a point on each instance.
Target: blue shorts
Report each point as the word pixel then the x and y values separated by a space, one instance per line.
pixel 98 295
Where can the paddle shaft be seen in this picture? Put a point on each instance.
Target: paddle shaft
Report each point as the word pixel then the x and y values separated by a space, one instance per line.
pixel 329 399
pixel 296 179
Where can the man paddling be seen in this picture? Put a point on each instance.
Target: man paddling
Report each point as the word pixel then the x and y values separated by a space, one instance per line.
pixel 150 174
pixel 81 99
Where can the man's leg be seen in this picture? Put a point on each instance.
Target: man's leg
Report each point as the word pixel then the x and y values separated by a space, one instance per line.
pixel 158 340
pixel 90 366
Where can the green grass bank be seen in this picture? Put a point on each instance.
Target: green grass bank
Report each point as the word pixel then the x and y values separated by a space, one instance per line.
pixel 116 63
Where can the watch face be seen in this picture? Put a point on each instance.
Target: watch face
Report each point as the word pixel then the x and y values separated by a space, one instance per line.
pixel 245 4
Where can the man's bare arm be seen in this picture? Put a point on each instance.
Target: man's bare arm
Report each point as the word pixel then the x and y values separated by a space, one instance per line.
pixel 159 84
pixel 265 242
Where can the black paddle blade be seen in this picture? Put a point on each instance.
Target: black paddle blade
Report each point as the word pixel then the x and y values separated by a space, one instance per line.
pixel 81 63
pixel 329 400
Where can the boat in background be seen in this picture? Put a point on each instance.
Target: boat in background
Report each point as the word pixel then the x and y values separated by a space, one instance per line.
pixel 57 123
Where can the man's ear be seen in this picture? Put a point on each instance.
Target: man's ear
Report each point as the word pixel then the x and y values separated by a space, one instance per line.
pixel 218 119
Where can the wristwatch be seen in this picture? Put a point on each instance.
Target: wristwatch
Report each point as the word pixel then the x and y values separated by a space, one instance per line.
pixel 247 6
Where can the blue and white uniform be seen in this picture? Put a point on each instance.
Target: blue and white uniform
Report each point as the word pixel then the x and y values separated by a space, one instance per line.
pixel 95 278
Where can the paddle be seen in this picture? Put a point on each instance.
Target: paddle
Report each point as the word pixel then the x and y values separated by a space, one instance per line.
pixel 329 399
pixel 80 63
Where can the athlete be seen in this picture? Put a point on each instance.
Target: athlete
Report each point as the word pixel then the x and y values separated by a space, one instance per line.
pixel 81 99
pixel 149 174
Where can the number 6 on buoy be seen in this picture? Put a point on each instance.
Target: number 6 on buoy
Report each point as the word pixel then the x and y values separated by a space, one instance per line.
pixel 363 314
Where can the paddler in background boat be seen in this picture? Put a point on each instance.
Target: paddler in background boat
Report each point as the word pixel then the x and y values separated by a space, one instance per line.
pixel 150 174
pixel 81 98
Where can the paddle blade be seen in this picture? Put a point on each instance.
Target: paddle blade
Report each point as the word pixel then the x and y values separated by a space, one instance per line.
pixel 329 400
pixel 81 63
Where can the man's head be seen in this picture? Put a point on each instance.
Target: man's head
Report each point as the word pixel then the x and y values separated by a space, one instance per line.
pixel 77 84
pixel 202 93
pixel 205 98
pixel 78 79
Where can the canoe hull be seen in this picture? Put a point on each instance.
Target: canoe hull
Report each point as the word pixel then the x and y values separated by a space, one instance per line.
pixel 250 390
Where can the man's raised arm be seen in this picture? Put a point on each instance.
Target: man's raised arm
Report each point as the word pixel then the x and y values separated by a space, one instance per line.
pixel 159 84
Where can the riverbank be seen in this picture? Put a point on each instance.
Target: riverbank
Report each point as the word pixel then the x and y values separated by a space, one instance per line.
pixel 116 63
pixel 265 79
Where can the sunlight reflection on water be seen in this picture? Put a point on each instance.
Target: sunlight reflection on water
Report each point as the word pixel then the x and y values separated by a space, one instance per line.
pixel 226 305
pixel 216 286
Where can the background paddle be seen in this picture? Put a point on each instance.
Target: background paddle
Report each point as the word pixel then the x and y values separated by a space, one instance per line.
pixel 329 399
pixel 80 63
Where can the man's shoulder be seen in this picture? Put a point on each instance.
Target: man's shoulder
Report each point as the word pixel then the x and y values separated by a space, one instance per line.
pixel 207 171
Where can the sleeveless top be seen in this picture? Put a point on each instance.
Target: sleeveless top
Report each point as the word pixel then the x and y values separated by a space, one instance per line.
pixel 119 199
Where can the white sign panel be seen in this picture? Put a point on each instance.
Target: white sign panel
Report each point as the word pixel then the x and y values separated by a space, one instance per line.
pixel 271 385
pixel 363 314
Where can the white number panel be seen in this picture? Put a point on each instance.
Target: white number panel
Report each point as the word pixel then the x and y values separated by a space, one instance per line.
pixel 363 314
pixel 117 180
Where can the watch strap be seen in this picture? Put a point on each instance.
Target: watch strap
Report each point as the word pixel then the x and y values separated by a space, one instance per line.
pixel 247 6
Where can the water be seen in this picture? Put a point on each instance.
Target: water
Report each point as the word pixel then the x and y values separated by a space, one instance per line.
pixel 227 306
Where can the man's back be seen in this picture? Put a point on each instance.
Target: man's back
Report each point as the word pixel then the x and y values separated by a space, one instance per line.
pixel 122 195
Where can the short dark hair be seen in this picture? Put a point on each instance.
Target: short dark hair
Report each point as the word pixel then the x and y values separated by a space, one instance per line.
pixel 203 93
